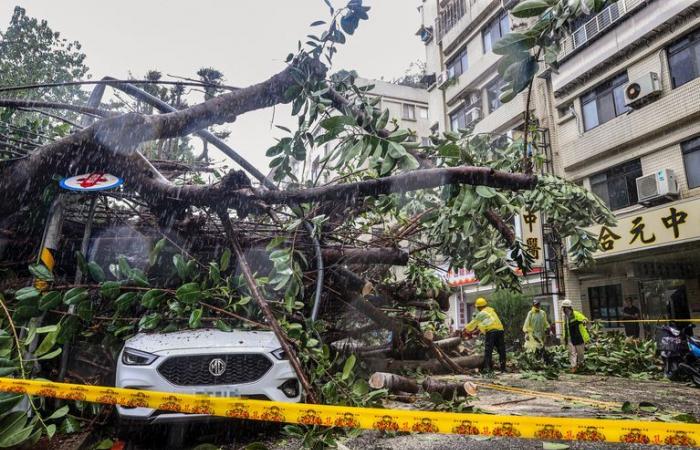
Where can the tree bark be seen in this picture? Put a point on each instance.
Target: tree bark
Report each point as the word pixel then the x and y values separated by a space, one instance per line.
pixel 380 255
pixel 449 343
pixel 433 366
pixel 393 382
pixel 447 389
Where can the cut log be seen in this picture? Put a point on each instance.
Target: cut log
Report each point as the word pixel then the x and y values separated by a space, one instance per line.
pixel 392 382
pixel 447 389
pixel 449 343
pixel 433 366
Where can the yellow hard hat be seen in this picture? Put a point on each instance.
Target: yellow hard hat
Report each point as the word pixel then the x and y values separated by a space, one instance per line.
pixel 481 301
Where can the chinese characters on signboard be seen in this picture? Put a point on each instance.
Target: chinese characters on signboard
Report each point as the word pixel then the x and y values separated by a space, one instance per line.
pixel 650 228
pixel 532 236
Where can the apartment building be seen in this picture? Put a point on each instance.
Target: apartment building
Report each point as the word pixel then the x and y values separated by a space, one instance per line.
pixel 621 117
pixel 622 111
pixel 459 36
pixel 407 105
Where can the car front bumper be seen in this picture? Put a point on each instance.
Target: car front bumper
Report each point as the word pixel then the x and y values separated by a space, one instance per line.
pixel 148 378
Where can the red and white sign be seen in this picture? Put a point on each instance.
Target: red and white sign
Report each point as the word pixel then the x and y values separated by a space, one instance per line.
pixel 96 181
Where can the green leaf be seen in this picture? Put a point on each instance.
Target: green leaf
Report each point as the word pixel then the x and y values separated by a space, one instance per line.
pixel 225 260
pixel 396 151
pixel 214 272
pixel 529 8
pixel 152 298
pixel 195 318
pixel 70 425
pixel 41 272
pixel 124 267
pixel 8 401
pixel 27 293
pixel 50 430
pixel 124 301
pixel 221 325
pixel 149 321
pixel 347 368
pixel 188 293
pixel 338 122
pixel 485 191
pixel 105 444
pixel 50 300
pixel 110 289
pixel 96 272
pixel 51 355
pixel 383 120
pixel 157 248
pixel 180 266
pixel 648 407
pixel 513 43
pixel 48 343
pixel 10 425
pixel 74 296
pixel 60 412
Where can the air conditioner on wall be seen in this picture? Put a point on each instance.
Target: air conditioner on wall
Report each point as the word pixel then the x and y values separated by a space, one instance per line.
pixel 657 187
pixel 642 90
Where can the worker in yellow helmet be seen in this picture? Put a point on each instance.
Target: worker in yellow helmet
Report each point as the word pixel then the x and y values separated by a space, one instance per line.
pixel 575 334
pixel 488 323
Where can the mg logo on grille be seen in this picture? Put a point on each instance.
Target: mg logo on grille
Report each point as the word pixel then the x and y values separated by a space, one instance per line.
pixel 217 367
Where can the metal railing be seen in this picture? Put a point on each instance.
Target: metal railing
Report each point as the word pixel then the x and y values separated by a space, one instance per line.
pixel 450 13
pixel 598 24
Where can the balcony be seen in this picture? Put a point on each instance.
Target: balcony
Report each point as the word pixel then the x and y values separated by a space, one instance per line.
pixel 450 13
pixel 595 27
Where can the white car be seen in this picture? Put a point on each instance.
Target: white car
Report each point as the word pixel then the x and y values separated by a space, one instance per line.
pixel 248 364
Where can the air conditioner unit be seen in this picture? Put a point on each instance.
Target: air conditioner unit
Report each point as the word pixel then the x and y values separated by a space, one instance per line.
pixel 642 90
pixel 657 187
pixel 442 78
pixel 509 4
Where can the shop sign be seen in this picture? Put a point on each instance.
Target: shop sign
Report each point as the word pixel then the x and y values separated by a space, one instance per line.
pixel 666 225
pixel 532 236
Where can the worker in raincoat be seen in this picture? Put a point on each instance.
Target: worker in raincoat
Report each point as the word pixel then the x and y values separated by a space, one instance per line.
pixel 488 323
pixel 575 334
pixel 535 328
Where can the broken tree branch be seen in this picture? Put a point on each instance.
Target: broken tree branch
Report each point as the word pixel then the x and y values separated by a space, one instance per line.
pixel 265 307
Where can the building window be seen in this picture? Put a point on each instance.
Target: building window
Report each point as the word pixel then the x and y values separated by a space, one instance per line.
pixel 409 111
pixel 605 102
pixel 606 303
pixel 684 59
pixel 458 119
pixel 457 65
pixel 422 112
pixel 618 186
pixel 493 93
pixel 691 160
pixel 495 30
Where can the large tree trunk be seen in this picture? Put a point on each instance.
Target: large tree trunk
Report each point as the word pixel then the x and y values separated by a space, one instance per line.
pixel 433 366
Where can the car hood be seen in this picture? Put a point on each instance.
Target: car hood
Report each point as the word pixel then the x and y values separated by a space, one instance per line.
pixel 202 339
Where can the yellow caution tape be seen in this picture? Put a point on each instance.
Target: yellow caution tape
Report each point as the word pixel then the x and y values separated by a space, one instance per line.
pixel 529 427
pixel 643 320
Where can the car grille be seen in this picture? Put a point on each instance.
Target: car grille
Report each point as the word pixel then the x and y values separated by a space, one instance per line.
pixel 194 370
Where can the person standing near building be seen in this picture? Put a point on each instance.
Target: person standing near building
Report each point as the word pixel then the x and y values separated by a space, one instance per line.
pixel 535 328
pixel 575 334
pixel 488 323
pixel 631 312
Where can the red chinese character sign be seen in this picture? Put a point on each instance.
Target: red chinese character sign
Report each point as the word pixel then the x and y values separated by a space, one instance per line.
pixel 89 182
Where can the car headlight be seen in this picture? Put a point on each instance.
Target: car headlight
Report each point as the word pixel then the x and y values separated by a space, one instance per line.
pixel 279 353
pixel 133 357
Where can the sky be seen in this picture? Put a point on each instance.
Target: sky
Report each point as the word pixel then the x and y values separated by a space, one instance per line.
pixel 247 40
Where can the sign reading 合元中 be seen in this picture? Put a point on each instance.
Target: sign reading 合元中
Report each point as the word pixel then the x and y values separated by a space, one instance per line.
pixel 665 225
pixel 96 181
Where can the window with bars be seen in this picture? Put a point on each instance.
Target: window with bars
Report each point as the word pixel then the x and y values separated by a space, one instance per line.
pixel 606 304
pixel 617 186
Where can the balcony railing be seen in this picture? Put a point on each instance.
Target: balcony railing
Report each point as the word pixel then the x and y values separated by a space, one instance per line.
pixel 450 13
pixel 598 24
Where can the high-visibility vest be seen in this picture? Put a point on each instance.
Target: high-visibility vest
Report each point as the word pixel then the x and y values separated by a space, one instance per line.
pixel 577 317
pixel 486 320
